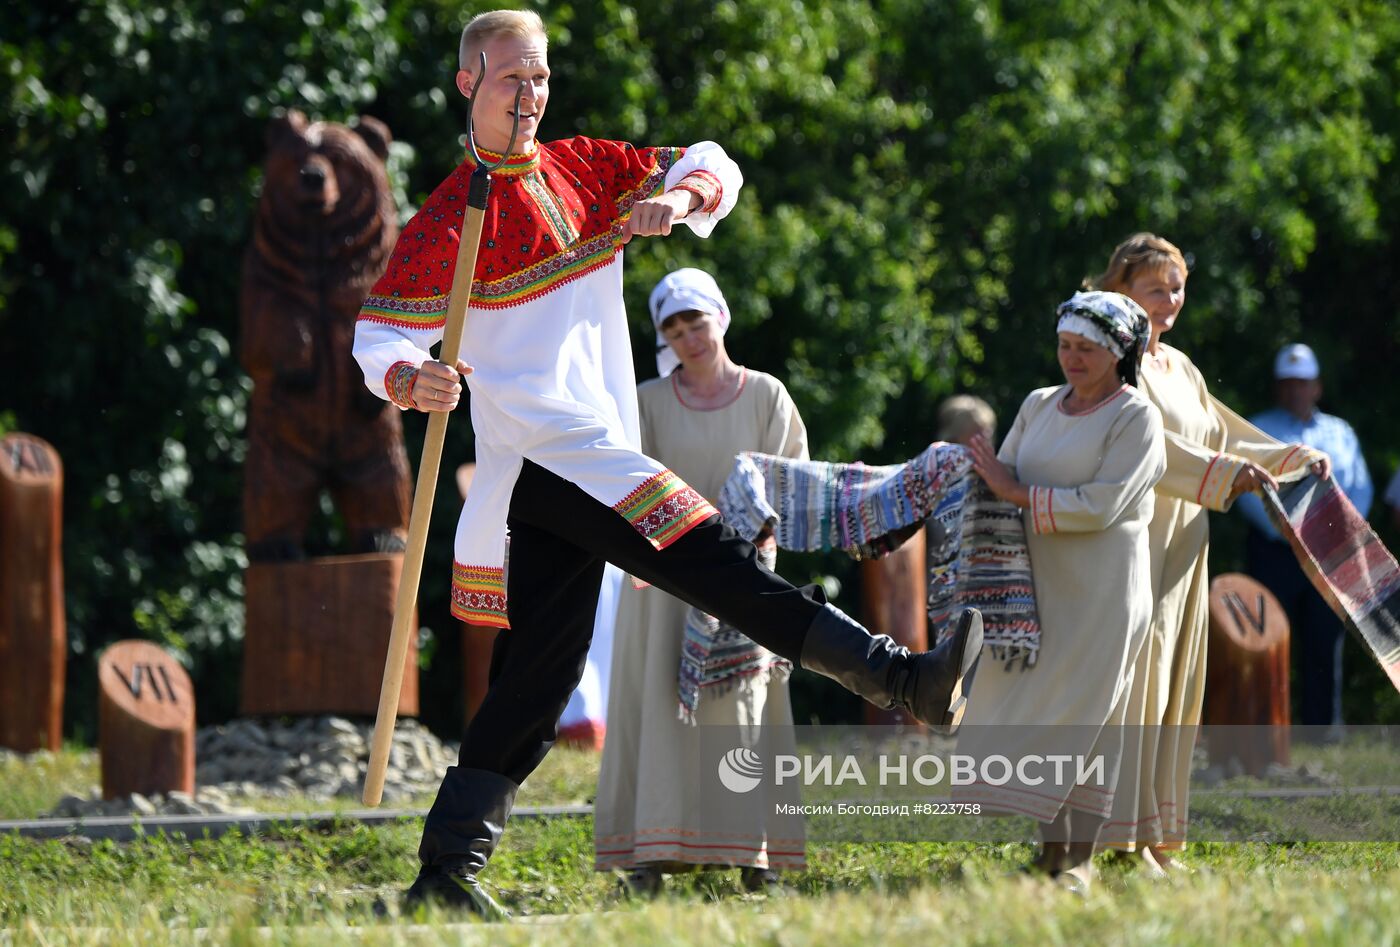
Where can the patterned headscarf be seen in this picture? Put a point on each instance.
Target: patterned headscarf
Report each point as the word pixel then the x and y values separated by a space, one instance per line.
pixel 1111 320
pixel 684 290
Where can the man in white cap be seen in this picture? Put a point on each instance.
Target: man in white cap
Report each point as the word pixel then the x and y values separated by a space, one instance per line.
pixel 1317 632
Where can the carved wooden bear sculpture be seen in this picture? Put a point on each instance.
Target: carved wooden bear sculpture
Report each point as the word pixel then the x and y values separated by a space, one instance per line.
pixel 325 226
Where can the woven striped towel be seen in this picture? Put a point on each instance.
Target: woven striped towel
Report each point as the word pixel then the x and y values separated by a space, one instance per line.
pixel 977 557
pixel 1346 561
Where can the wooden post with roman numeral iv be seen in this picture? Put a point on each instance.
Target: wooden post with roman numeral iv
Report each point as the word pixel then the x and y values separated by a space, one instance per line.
pixel 1246 705
pixel 145 719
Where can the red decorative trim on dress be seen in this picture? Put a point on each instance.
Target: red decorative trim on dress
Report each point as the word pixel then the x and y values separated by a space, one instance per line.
pixel 1205 478
pixel 676 388
pixel 1042 501
pixel 1084 414
pixel 624 849
pixel 1283 464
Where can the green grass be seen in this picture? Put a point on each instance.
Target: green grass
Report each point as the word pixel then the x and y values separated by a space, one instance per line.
pixel 31 787
pixel 308 886
pixel 304 886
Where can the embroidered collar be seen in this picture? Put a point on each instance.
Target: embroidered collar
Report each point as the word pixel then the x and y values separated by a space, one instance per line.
pixel 1091 408
pixel 515 165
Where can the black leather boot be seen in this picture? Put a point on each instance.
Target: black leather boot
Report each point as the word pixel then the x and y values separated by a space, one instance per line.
pixel 930 685
pixel 463 828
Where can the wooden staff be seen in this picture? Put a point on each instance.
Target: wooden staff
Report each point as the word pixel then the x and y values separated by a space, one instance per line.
pixel 457 303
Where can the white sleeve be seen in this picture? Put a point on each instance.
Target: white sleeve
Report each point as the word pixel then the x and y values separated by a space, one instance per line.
pixel 717 181
pixel 380 346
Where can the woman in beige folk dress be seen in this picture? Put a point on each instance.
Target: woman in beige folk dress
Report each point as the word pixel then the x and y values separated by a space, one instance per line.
pixel 1081 459
pixel 1213 456
pixel 649 816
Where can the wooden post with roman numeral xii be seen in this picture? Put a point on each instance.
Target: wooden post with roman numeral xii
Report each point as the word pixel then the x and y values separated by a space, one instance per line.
pixel 145 710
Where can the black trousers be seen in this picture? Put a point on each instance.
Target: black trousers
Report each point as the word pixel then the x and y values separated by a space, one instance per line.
pixel 1317 632
pixel 560 538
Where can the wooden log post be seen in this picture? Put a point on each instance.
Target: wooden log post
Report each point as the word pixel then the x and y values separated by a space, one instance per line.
pixel 894 602
pixel 1246 675
pixel 145 719
pixel 33 634
pixel 317 634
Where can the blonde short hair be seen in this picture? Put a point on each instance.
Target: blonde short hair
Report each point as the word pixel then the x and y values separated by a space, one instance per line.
pixel 484 26
pixel 1142 252
pixel 961 416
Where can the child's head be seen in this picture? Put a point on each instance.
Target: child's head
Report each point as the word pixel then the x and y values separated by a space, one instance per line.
pixel 522 24
pixel 517 60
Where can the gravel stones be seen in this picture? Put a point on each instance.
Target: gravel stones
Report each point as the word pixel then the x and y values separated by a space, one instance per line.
pixel 208 801
pixel 320 757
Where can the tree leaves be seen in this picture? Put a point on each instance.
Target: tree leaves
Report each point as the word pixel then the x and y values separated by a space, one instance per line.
pixel 924 183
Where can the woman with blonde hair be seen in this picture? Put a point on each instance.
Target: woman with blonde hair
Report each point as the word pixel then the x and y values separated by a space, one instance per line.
pixel 1213 456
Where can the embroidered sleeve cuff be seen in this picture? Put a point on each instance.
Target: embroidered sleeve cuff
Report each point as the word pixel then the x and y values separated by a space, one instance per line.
pixel 1042 510
pixel 1298 457
pixel 398 383
pixel 1214 491
pixel 704 185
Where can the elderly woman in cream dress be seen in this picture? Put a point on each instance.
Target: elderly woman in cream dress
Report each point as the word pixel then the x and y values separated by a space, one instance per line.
pixel 649 816
pixel 1213 456
pixel 1081 459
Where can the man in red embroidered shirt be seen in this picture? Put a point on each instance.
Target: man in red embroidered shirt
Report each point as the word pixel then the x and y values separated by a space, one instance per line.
pixel 559 465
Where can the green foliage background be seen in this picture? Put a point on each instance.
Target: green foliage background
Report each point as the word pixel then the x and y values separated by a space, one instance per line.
pixel 925 180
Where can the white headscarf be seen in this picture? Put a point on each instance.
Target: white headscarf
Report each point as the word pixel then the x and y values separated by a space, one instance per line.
pixel 684 290
pixel 1080 325
pixel 1112 320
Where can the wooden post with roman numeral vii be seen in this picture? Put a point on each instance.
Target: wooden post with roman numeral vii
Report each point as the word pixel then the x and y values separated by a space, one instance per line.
pixel 145 718
pixel 1246 702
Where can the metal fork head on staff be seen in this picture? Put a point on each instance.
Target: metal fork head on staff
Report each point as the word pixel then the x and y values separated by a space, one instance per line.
pixel 514 125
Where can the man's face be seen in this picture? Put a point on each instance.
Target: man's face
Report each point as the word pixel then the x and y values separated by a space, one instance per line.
pixel 1298 396
pixel 510 61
